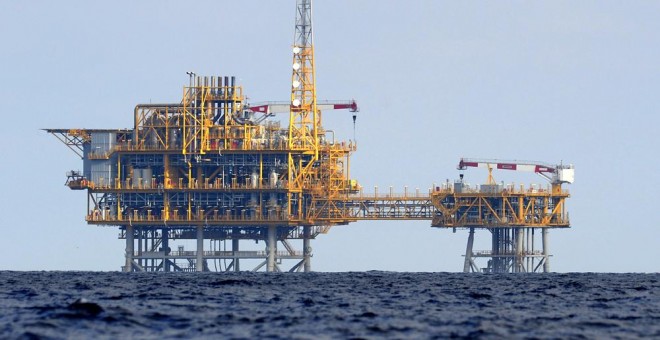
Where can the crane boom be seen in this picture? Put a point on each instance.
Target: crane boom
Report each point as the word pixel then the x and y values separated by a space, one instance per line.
pixel 556 174
pixel 505 165
pixel 271 108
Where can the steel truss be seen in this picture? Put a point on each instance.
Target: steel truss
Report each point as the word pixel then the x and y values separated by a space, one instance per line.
pixel 513 250
pixel 150 248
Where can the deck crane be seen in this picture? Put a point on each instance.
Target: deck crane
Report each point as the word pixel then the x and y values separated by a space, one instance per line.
pixel 555 174
pixel 271 108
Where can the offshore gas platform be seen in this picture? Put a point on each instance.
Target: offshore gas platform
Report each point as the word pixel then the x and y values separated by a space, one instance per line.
pixel 216 169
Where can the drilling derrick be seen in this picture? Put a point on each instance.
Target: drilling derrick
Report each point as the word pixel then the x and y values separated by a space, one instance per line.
pixel 304 119
pixel 303 128
pixel 215 169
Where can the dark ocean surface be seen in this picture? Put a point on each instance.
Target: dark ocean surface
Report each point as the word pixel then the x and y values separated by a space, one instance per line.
pixel 328 305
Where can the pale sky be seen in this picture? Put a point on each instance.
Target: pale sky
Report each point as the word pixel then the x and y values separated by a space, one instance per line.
pixel 553 81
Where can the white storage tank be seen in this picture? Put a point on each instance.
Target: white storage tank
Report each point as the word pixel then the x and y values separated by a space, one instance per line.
pixel 272 179
pixel 147 177
pixel 137 178
pixel 254 180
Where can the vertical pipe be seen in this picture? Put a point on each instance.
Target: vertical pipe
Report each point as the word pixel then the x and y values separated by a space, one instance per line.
pixel 503 244
pixel 532 249
pixel 468 252
pixel 497 248
pixel 528 258
pixel 153 248
pixel 519 250
pixel 307 250
pixel 234 248
pixel 271 248
pixel 145 241
pixel 500 238
pixel 139 243
pixel 230 96
pixel 222 107
pixel 504 233
pixel 508 249
pixel 493 248
pixel 546 257
pixel 166 249
pixel 129 249
pixel 199 265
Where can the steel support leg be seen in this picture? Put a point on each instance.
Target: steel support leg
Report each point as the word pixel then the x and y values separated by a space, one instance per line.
pixel 546 256
pixel 519 251
pixel 496 250
pixel 234 248
pixel 468 252
pixel 199 265
pixel 129 248
pixel 271 248
pixel 166 249
pixel 307 250
pixel 140 236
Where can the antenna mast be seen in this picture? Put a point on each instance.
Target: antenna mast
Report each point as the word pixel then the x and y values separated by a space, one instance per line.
pixel 304 118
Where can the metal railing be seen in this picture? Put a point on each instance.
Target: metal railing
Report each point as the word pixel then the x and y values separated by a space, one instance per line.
pixel 507 253
pixel 390 195
pixel 509 190
pixel 275 217
pixel 507 221
pixel 211 253
pixel 252 145
pixel 153 184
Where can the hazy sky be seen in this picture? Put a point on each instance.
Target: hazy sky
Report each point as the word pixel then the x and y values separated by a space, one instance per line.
pixel 554 81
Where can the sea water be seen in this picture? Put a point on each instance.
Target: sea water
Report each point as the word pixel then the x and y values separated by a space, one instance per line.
pixel 328 305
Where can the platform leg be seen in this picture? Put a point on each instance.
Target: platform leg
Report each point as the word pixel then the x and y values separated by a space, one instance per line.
pixel 468 252
pixel 546 256
pixel 129 248
pixel 199 264
pixel 234 249
pixel 166 249
pixel 271 248
pixel 519 251
pixel 307 250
